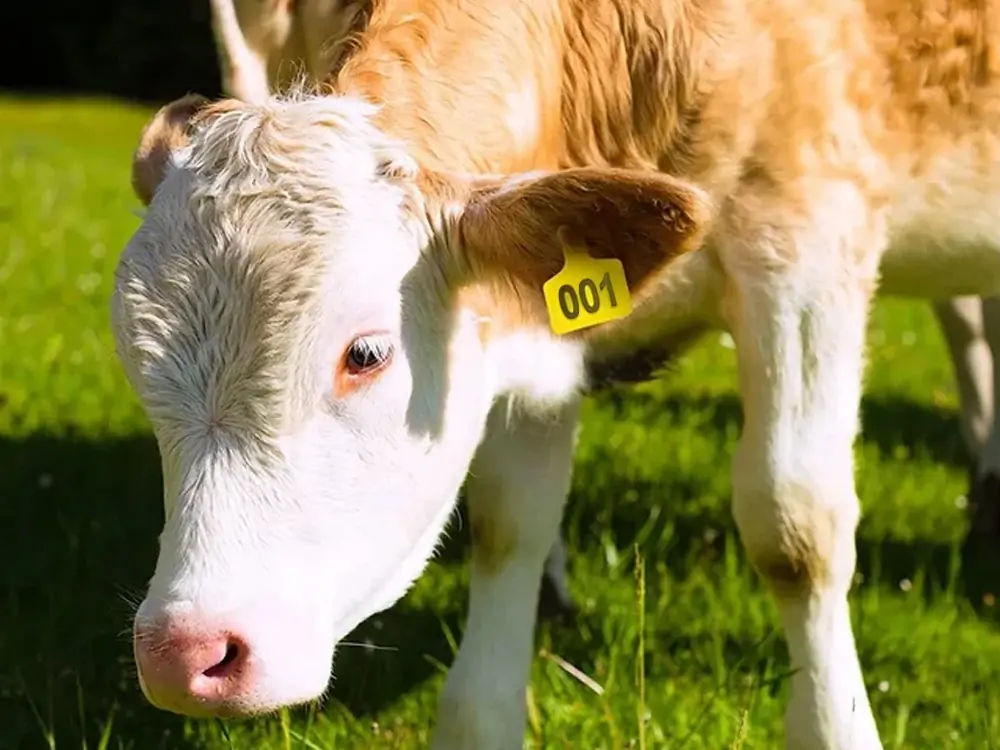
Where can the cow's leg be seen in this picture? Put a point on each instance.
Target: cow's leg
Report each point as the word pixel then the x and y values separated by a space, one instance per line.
pixel 516 490
pixel 555 601
pixel 961 320
pixel 797 302
pixel 985 491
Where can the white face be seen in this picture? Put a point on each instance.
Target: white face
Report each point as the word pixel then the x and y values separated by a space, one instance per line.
pixel 289 315
pixel 316 406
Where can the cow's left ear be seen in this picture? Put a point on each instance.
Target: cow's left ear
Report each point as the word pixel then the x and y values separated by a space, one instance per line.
pixel 514 229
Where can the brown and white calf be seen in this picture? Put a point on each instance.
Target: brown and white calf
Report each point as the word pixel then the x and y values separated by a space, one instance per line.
pixel 333 312
pixel 283 41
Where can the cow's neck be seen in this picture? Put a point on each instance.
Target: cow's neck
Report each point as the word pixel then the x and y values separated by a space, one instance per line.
pixel 530 84
pixel 468 86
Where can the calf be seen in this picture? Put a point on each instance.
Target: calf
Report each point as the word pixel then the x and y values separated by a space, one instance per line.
pixel 286 40
pixel 334 309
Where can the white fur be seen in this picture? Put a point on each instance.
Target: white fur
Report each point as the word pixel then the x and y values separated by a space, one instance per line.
pixel 517 484
pixel 935 227
pixel 942 223
pixel 989 459
pixel 264 45
pixel 801 342
pixel 244 66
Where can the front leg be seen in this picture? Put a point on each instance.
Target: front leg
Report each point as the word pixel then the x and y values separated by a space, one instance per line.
pixel 516 490
pixel 797 303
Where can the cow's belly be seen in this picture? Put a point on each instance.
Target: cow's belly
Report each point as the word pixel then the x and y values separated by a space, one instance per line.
pixel 945 230
pixel 684 302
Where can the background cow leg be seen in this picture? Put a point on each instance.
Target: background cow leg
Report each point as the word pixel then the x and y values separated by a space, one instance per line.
pixel 984 494
pixel 797 304
pixel 516 490
pixel 554 600
pixel 961 321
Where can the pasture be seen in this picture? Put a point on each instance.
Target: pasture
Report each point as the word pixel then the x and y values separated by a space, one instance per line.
pixel 686 654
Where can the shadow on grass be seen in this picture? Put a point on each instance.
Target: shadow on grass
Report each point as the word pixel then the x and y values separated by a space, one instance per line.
pixel 79 521
pixel 896 426
pixel 889 422
pixel 78 526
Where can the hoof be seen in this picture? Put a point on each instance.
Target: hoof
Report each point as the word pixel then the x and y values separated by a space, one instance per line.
pixel 981 547
pixel 552 606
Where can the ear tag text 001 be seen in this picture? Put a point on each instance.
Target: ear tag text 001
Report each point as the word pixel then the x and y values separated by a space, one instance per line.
pixel 586 292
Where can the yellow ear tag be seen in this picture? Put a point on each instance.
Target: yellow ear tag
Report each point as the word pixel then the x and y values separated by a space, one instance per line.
pixel 586 292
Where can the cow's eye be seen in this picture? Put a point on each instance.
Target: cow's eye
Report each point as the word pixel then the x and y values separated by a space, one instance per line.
pixel 367 354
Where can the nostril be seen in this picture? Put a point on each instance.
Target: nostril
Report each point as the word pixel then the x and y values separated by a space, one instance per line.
pixel 234 653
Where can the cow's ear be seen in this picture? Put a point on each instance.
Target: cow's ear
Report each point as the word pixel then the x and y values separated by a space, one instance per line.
pixel 515 229
pixel 168 131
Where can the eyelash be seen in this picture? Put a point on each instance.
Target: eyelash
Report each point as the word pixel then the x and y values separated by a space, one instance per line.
pixel 367 353
pixel 363 358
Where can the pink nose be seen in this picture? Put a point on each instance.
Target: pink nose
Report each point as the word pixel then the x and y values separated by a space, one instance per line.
pixel 191 668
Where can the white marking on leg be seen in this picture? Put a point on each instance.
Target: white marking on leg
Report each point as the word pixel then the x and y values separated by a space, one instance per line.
pixel 516 491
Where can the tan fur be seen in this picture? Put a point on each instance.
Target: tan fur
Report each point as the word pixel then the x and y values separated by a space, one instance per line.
pixel 752 101
pixel 806 533
pixel 722 92
pixel 505 232
pixel 166 132
pixel 942 64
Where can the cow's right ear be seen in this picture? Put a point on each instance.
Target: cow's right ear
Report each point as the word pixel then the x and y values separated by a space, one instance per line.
pixel 168 131
pixel 516 228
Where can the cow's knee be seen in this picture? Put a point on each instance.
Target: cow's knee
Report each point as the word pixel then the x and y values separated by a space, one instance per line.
pixel 516 489
pixel 504 529
pixel 798 536
pixel 494 527
pixel 497 537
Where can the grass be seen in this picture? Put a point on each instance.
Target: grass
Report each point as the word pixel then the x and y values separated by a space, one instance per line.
pixel 681 652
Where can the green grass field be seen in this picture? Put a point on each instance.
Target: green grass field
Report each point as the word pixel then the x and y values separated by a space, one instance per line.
pixel 80 511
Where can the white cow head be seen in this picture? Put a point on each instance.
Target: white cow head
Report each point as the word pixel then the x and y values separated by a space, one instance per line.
pixel 317 329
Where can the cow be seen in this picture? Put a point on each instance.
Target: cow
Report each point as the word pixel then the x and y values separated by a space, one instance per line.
pixel 288 41
pixel 334 313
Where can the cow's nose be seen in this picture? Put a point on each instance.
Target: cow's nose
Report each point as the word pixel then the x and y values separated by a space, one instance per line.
pixel 192 668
